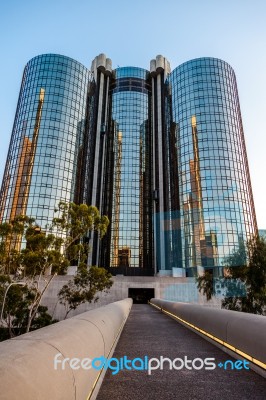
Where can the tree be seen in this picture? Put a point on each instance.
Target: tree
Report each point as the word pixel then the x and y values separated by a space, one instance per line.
pixel 253 276
pixel 73 223
pixel 42 261
pixel 11 234
pixel 27 266
pixel 205 284
pixel 77 220
pixel 16 308
pixel 237 260
pixel 43 255
pixel 245 267
pixel 84 287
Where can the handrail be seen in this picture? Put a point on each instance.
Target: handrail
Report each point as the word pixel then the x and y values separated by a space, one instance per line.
pixel 239 332
pixel 28 370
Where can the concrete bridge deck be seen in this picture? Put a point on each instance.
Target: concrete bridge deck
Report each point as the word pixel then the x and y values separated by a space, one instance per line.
pixel 148 332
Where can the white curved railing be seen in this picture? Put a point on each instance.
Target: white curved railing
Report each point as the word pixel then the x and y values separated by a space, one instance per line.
pixel 28 370
pixel 241 333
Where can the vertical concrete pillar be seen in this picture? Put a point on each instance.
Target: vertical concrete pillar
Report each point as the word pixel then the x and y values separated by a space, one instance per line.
pixel 160 69
pixel 101 69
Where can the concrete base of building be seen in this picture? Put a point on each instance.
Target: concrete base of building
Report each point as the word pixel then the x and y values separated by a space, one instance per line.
pixel 140 288
pixel 174 272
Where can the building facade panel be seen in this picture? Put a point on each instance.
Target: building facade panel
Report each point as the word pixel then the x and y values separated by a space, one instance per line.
pixel 42 159
pixel 161 154
pixel 129 150
pixel 217 210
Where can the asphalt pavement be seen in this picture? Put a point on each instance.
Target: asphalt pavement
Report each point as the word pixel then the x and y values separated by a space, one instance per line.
pixel 150 333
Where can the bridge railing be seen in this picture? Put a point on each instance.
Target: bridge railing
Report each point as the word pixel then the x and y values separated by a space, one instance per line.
pixel 44 364
pixel 236 332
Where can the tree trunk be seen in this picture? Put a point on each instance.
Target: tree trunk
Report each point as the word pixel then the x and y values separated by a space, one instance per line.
pixel 35 306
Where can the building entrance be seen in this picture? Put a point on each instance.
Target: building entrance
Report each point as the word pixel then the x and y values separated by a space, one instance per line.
pixel 140 295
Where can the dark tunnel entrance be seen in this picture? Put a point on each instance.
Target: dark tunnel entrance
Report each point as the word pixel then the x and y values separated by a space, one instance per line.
pixel 140 295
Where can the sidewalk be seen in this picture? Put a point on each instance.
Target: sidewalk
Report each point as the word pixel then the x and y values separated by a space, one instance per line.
pixel 148 332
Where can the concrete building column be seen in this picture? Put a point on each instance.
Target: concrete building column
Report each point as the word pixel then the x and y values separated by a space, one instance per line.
pixel 101 69
pixel 160 68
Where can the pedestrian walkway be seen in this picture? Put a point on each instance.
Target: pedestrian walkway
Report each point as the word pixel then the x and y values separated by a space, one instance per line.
pixel 148 332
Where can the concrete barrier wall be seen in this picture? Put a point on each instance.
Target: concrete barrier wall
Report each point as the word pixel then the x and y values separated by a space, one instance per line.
pixel 166 288
pixel 242 331
pixel 27 362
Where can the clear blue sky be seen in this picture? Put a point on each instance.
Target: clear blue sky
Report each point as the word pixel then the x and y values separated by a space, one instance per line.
pixel 132 33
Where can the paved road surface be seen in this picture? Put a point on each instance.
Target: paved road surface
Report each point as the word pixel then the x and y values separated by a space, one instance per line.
pixel 148 332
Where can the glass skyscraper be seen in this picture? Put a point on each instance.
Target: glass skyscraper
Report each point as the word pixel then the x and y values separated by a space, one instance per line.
pixel 42 158
pixel 130 151
pixel 215 190
pixel 161 153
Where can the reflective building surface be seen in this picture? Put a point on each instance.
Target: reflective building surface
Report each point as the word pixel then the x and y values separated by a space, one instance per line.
pixel 129 147
pixel 42 158
pixel 161 153
pixel 217 210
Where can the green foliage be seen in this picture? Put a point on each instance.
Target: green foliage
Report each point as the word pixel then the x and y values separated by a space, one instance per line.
pixel 76 220
pixel 205 284
pixel 237 260
pixel 27 268
pixel 30 268
pixel 42 318
pixel 254 277
pixel 245 267
pixel 42 253
pixel 73 224
pixel 18 299
pixel 10 234
pixel 84 287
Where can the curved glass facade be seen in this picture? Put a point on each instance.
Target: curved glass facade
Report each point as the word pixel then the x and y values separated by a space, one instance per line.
pixel 161 154
pixel 130 149
pixel 217 210
pixel 47 132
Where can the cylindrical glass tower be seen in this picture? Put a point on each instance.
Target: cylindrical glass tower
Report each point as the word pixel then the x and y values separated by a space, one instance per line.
pixel 129 169
pixel 162 154
pixel 41 166
pixel 217 209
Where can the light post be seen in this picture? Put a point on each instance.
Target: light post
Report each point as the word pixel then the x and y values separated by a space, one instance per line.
pixel 4 299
